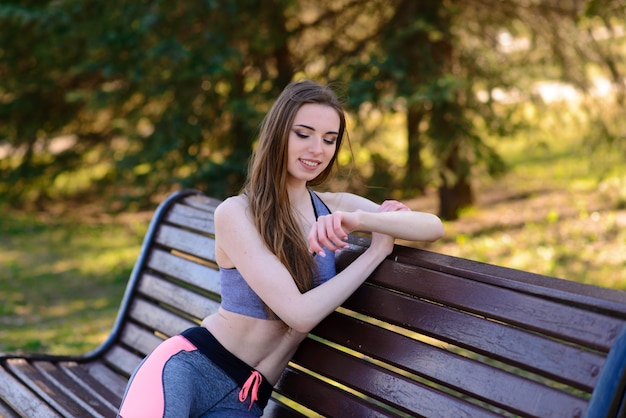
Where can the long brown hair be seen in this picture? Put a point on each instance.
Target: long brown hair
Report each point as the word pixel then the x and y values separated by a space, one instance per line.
pixel 266 185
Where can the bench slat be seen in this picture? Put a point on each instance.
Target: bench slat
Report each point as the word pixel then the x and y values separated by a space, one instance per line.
pixel 141 340
pixel 122 360
pixel 592 298
pixel 105 393
pixel 158 319
pixel 197 217
pixel 593 330
pixel 18 396
pixel 195 274
pixel 465 375
pixel 202 202
pixel 187 242
pixel 178 298
pixel 106 376
pixel 277 409
pixel 79 393
pixel 558 361
pixel 5 410
pixel 47 390
pixel 394 390
pixel 324 399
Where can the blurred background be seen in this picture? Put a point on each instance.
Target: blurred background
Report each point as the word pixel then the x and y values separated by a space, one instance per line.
pixel 505 117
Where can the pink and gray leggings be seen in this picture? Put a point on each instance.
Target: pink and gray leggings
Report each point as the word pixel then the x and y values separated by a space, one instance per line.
pixel 193 375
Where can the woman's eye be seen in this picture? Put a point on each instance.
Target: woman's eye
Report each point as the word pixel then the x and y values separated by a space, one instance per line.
pixel 301 135
pixel 330 141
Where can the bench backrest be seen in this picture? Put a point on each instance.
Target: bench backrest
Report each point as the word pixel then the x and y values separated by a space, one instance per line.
pixel 427 335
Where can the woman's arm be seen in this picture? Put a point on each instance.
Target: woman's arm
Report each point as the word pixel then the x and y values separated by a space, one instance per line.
pixel 391 218
pixel 239 244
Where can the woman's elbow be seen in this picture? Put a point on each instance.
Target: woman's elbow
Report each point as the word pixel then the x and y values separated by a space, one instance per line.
pixel 300 324
pixel 435 229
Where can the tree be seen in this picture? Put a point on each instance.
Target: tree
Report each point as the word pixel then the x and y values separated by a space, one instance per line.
pixel 149 91
pixel 444 60
pixel 416 58
pixel 150 94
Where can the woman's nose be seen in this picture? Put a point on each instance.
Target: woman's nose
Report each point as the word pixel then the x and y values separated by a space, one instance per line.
pixel 316 145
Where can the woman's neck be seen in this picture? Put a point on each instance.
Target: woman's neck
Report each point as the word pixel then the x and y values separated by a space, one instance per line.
pixel 298 194
pixel 302 208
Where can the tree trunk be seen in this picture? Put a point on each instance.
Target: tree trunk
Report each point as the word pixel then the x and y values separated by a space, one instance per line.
pixel 414 181
pixel 455 191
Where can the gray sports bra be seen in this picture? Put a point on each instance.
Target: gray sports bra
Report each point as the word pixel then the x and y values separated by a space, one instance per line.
pixel 238 297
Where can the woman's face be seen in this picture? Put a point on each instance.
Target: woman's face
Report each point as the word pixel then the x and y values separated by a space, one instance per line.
pixel 312 141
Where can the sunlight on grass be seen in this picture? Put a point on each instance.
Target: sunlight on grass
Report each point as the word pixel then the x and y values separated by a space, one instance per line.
pixel 560 211
pixel 63 280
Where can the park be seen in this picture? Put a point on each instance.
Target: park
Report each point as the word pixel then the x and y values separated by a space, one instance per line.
pixel 503 117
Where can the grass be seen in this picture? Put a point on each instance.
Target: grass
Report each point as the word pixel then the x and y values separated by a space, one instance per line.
pixel 561 211
pixel 62 279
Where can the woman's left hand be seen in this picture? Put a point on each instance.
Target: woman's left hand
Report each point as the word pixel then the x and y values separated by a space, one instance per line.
pixel 331 231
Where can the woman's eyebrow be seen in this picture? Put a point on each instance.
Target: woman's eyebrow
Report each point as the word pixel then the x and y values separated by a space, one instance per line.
pixel 313 129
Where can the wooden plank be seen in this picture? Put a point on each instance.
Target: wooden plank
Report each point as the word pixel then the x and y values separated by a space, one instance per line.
pixel 276 409
pixel 46 390
pixel 188 242
pixel 589 297
pixel 158 319
pixel 561 362
pixel 181 299
pixel 139 339
pixel 109 378
pixel 591 329
pixel 195 274
pixel 5 412
pixel 465 375
pixel 202 202
pixel 390 388
pixel 93 404
pixel 94 387
pixel 20 398
pixel 122 360
pixel 325 399
pixel 198 218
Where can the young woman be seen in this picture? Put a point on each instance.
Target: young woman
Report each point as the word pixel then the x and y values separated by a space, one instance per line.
pixel 275 246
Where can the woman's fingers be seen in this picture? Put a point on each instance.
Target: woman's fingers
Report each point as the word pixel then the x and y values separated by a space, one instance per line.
pixel 331 231
pixel 327 232
pixel 392 206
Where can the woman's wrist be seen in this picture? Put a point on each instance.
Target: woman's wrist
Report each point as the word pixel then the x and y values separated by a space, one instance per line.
pixel 377 252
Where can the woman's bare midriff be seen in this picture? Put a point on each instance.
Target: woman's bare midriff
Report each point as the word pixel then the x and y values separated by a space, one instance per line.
pixel 263 344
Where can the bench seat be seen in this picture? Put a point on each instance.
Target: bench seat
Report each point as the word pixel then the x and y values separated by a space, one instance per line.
pixel 427 335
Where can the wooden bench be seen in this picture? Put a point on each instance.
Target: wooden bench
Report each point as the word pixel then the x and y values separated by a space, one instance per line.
pixel 427 335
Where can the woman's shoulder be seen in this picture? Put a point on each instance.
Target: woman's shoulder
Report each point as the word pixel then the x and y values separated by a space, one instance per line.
pixel 232 206
pixel 236 200
pixel 346 202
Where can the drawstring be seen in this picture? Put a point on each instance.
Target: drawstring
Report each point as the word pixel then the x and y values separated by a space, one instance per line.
pixel 253 382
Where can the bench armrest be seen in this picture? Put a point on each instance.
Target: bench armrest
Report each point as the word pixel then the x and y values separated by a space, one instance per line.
pixel 609 397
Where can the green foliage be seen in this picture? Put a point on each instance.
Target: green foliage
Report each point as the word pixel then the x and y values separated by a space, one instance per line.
pixel 155 88
pixel 130 99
